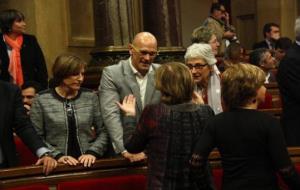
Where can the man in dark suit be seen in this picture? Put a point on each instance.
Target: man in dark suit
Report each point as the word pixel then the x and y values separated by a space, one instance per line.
pixel 288 77
pixel 14 118
pixel 263 58
pixel 132 76
pixel 271 34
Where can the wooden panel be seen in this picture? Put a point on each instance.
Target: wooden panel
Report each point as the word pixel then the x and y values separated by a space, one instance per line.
pixel 102 168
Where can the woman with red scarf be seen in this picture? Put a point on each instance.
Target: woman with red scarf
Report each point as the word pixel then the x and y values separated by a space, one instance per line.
pixel 21 56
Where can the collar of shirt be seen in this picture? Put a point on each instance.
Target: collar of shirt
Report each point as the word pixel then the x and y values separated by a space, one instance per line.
pixel 269 44
pixel 9 49
pixel 268 74
pixel 136 72
pixel 141 80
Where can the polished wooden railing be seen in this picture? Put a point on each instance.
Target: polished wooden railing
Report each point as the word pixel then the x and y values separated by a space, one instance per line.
pixel 21 176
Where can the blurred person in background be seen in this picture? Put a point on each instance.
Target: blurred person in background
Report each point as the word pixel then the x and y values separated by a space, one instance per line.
pixel 21 56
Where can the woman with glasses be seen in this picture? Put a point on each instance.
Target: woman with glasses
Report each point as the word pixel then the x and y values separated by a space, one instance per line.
pixel 68 117
pixel 169 129
pixel 201 61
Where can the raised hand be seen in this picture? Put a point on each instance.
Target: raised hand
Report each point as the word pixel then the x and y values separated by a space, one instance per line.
pixel 197 98
pixel 128 105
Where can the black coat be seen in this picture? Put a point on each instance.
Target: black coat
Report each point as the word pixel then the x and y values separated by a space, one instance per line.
pixel 14 118
pixel 32 61
pixel 288 77
pixel 262 44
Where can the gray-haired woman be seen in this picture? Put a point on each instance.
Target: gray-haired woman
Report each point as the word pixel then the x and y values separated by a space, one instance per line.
pixel 201 62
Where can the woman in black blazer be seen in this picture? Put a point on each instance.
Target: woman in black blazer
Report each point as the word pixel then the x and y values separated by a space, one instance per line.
pixel 251 143
pixel 33 67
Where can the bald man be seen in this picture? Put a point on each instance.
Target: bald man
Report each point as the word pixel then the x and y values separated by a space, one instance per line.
pixel 132 76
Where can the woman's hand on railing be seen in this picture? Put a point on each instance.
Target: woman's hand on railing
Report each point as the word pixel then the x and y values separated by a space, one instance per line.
pixel 68 160
pixel 134 157
pixel 87 160
pixel 49 163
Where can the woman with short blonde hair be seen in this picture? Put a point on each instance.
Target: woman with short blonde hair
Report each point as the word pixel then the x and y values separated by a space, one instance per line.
pixel 172 92
pixel 250 142
pixel 239 86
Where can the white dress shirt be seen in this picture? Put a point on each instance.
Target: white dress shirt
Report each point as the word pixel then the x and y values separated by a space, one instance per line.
pixel 141 80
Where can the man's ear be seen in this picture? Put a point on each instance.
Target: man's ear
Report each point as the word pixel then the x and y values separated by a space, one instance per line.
pixel 130 49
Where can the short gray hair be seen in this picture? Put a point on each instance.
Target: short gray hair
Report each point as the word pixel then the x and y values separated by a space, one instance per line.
pixel 297 29
pixel 200 50
pixel 201 34
pixel 256 56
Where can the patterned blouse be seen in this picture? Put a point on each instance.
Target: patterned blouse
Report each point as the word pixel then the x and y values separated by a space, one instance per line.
pixel 168 134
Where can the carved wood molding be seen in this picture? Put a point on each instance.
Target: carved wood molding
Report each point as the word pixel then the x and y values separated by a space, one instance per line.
pixel 102 57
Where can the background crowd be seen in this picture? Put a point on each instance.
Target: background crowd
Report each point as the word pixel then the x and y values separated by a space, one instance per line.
pixel 173 114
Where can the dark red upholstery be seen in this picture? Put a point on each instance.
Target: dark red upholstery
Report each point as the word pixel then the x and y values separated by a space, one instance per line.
pixel 267 104
pixel 218 174
pixel 282 185
pixel 31 187
pixel 25 155
pixel 132 182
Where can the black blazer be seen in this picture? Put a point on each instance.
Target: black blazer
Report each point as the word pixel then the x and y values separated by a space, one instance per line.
pixel 288 78
pixel 32 60
pixel 14 118
pixel 262 44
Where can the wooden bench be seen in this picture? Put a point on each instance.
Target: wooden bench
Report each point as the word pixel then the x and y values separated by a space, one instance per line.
pixel 276 112
pixel 273 89
pixel 111 171
pixel 106 168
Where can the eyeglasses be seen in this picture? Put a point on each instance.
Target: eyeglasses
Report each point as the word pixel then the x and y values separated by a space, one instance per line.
pixel 144 52
pixel 196 66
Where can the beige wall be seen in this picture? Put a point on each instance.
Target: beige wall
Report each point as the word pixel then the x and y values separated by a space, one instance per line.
pixel 249 20
pixel 193 13
pixel 244 20
pixel 27 7
pixel 282 12
pixel 267 11
pixel 48 21
pixel 57 31
pixel 288 16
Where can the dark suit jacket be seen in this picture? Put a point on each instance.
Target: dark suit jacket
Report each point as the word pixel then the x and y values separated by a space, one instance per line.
pixel 13 117
pixel 32 60
pixel 262 44
pixel 288 77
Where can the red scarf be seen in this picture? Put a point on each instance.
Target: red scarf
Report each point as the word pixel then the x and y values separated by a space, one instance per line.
pixel 15 67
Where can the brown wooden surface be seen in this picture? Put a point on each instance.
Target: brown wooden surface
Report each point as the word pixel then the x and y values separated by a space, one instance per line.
pixel 102 168
pixel 276 112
